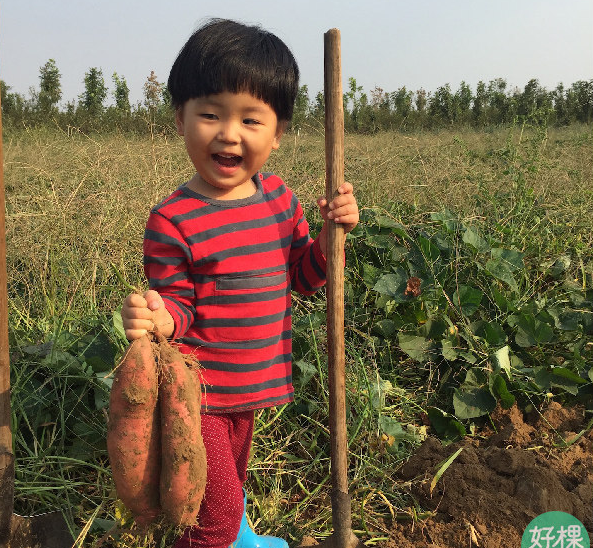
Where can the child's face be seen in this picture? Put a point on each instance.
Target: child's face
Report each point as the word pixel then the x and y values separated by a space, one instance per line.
pixel 229 137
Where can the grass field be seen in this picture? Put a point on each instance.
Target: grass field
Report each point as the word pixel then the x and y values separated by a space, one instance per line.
pixel 454 201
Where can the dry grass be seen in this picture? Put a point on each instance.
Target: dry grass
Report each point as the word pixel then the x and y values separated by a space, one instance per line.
pixel 76 203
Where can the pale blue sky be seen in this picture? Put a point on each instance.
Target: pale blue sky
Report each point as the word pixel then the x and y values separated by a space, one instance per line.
pixel 422 43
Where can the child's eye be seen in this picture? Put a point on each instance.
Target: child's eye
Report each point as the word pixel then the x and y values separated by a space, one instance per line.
pixel 208 116
pixel 250 121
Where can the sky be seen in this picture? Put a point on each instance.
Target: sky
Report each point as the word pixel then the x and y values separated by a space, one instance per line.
pixel 384 43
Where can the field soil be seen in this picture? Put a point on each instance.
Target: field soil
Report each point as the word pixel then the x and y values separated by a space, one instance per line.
pixel 500 481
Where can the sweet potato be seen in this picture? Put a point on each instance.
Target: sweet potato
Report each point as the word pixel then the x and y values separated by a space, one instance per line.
pixel 183 469
pixel 133 435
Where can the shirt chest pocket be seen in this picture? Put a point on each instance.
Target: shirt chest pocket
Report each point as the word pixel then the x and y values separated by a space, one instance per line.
pixel 250 283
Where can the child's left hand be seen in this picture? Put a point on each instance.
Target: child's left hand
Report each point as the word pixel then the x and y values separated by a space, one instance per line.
pixel 343 209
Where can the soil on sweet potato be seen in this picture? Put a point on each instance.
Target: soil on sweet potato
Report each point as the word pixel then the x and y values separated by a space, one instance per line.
pixel 500 481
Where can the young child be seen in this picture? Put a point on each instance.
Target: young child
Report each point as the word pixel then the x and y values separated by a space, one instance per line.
pixel 223 252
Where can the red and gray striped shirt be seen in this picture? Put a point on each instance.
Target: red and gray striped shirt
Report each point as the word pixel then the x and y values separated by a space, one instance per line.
pixel 225 270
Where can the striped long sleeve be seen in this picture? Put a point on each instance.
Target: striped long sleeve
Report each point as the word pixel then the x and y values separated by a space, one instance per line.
pixel 225 269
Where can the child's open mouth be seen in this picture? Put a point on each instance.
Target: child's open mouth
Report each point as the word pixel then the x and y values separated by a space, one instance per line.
pixel 227 160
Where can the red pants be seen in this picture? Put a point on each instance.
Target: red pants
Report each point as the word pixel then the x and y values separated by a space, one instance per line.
pixel 227 439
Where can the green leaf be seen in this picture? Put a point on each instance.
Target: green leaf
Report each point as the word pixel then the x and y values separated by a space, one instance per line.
pixel 473 398
pixel 398 253
pixel 391 427
pixel 504 304
pixel 558 267
pixel 418 348
pixel 542 377
pixel 501 271
pixel 468 356
pixel 566 373
pixel 475 378
pixel 103 525
pixel 98 352
pixel 498 388
pixel 468 299
pixel 380 241
pixel 102 390
pixel 471 237
pixel 501 360
pixel 513 259
pixel 566 320
pixel 370 274
pixel 63 362
pixel 492 332
pixel 384 328
pixel 394 285
pixel 387 222
pixel 448 350
pixel 448 219
pixel 434 329
pixel 473 402
pixel 446 426
pixel 305 372
pixel 379 390
pixel 429 249
pixel 442 468
pixel 569 386
pixel 395 228
pixel 118 326
pixel 532 332
pixel 590 374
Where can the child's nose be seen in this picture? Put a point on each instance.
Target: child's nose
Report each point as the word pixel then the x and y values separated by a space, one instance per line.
pixel 229 132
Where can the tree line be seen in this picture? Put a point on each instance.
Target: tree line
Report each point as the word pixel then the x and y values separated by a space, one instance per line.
pixel 492 103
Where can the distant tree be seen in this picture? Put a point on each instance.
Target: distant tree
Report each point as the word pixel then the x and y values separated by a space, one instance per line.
pixel 579 100
pixel 166 97
pixel 480 104
pixel 534 100
pixel 560 106
pixel 366 116
pixel 13 104
pixel 498 101
pixel 318 110
pixel 441 105
pixel 71 109
pixel 121 94
pixel 50 91
pixel 402 102
pixel 527 101
pixel 352 97
pixel 301 108
pixel 380 105
pixel 420 115
pixel 153 89
pixel 4 89
pixel 94 93
pixel 462 103
pixel 421 100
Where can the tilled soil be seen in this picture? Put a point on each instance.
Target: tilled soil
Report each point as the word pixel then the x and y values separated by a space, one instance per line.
pixel 500 481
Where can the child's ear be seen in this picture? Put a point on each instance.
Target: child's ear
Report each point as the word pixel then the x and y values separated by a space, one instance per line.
pixel 280 129
pixel 179 120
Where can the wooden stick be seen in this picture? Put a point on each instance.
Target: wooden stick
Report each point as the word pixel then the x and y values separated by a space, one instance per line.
pixel 334 177
pixel 6 455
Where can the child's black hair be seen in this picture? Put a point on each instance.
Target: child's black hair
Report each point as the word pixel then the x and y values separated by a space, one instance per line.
pixel 229 56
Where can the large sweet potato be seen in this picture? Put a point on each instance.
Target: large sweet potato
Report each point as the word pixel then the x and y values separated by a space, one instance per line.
pixel 183 469
pixel 133 435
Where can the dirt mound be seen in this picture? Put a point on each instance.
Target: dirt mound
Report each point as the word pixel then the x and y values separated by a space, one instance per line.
pixel 500 481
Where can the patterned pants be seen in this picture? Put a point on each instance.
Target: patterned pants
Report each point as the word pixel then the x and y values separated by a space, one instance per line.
pixel 227 438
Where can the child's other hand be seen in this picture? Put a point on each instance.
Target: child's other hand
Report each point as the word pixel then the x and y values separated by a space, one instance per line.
pixel 343 209
pixel 143 313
